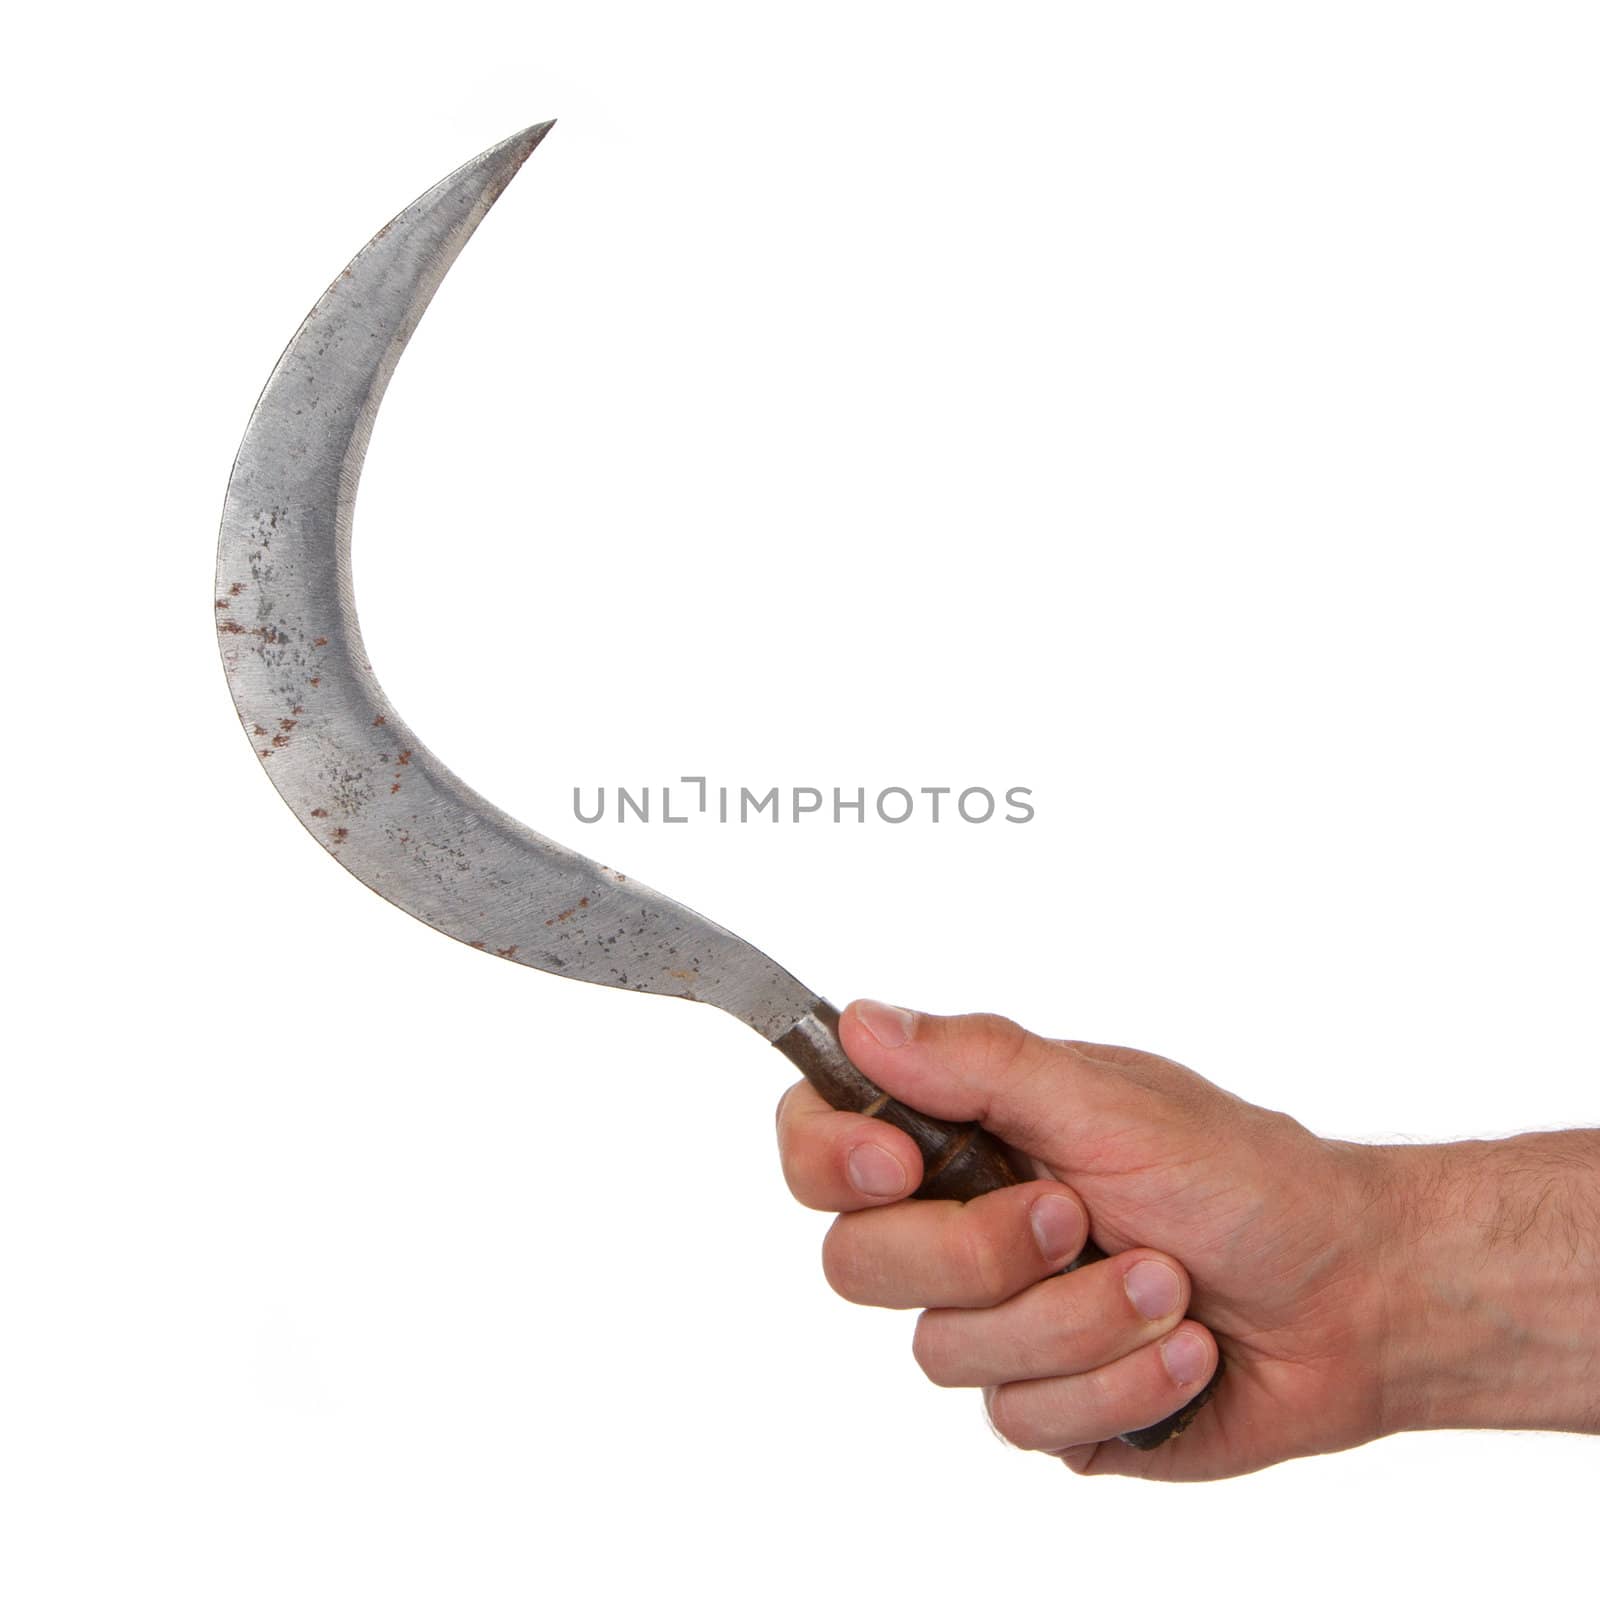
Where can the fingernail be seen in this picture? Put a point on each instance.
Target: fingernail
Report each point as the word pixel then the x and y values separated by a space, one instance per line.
pixel 1154 1289
pixel 891 1026
pixel 1186 1357
pixel 874 1171
pixel 1057 1226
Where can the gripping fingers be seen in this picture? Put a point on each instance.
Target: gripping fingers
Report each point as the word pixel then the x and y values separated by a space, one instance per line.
pixel 945 1253
pixel 838 1161
pixel 1136 1392
pixel 1063 1325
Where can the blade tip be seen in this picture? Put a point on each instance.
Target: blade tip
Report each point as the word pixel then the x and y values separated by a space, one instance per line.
pixel 500 163
pixel 528 140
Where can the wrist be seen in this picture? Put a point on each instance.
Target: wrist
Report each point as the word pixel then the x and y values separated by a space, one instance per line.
pixel 1486 1257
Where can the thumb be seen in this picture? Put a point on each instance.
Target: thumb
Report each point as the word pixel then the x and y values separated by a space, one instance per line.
pixel 1039 1095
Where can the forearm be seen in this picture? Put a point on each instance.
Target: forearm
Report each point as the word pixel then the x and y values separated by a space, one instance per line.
pixel 1488 1266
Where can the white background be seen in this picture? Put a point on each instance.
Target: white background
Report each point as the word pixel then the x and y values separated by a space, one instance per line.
pixel 1186 411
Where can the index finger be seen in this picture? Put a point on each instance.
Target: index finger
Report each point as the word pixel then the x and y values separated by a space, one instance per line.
pixel 839 1160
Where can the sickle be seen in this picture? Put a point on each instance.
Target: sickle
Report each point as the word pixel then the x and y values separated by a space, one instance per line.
pixel 369 790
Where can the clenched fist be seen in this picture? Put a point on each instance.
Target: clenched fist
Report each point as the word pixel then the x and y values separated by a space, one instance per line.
pixel 1355 1290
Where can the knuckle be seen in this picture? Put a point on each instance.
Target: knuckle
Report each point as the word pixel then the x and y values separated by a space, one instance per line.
pixel 983 1262
pixel 841 1264
pixel 1100 1394
pixel 839 1261
pixel 1003 1040
pixel 783 1102
pixel 1067 1338
pixel 930 1349
pixel 1010 1055
pixel 798 1172
pixel 1011 1417
pixel 789 1166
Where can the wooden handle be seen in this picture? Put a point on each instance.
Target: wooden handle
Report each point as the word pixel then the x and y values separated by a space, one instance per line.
pixel 960 1160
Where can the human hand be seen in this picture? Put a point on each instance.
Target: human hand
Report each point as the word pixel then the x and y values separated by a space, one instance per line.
pixel 1225 1225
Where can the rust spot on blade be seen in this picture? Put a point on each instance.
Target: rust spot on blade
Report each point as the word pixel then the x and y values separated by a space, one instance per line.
pixel 236 589
pixel 509 951
pixel 571 911
pixel 379 720
pixel 319 641
pixel 319 812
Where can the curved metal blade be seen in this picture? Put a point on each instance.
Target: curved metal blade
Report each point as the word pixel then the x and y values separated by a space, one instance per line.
pixel 351 770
